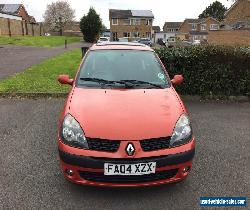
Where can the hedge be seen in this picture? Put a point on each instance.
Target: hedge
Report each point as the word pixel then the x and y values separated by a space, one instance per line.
pixel 209 70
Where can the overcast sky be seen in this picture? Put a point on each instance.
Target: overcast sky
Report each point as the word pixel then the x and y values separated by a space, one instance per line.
pixel 163 10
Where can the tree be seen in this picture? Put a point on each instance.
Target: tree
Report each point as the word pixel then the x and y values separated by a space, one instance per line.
pixel 216 10
pixel 58 14
pixel 91 26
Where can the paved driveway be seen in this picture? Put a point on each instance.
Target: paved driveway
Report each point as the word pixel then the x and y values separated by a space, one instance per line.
pixel 30 177
pixel 14 59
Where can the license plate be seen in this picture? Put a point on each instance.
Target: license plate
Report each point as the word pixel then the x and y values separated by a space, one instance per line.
pixel 129 169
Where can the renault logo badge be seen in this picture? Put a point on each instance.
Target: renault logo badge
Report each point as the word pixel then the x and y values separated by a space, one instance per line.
pixel 130 149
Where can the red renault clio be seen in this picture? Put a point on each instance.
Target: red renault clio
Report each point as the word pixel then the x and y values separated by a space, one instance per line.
pixel 123 123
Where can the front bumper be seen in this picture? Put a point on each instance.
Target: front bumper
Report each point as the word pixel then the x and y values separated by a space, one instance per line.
pixel 173 165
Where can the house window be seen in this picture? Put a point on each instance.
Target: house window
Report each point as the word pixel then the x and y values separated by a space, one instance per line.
pixel 194 27
pixel 196 37
pixel 115 21
pixel 214 26
pixel 173 29
pixel 126 22
pixel 135 21
pixel 203 27
pixel 136 34
pixel 126 34
pixel 148 22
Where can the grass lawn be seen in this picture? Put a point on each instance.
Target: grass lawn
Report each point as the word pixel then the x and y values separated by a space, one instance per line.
pixel 43 77
pixel 39 41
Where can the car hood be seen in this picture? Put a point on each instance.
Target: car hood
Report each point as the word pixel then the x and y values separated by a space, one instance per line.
pixel 129 114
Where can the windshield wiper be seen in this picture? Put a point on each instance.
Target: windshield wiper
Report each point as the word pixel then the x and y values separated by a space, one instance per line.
pixel 127 83
pixel 139 82
pixel 101 81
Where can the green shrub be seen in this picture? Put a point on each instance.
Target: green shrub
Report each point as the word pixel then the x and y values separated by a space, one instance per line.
pixel 91 26
pixel 209 70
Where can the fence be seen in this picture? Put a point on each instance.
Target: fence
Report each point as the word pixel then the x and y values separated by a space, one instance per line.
pixel 10 27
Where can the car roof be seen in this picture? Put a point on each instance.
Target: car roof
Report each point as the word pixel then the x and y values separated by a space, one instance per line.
pixel 120 46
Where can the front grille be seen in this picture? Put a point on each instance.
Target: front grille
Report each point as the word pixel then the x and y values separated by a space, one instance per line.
pixel 155 144
pixel 100 177
pixel 103 145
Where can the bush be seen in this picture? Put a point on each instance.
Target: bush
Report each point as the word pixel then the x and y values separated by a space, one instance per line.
pixel 209 70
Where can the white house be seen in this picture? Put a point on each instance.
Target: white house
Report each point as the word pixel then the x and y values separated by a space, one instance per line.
pixel 162 35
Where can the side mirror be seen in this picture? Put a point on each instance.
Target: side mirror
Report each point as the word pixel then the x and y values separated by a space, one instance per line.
pixel 178 79
pixel 65 79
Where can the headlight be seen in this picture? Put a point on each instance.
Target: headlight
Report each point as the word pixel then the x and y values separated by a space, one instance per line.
pixel 182 131
pixel 72 133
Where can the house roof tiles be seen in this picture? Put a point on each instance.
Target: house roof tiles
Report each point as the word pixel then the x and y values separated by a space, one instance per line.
pixel 172 24
pixel 9 8
pixel 142 13
pixel 116 13
pixel 156 28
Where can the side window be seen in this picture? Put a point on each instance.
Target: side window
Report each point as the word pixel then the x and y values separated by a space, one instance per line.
pixel 114 21
pixel 126 34
pixel 214 26
pixel 194 26
pixel 126 22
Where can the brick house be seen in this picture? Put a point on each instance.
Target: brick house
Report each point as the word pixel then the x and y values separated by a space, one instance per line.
pixel 171 31
pixel 17 10
pixel 171 27
pixel 238 15
pixel 198 29
pixel 156 29
pixel 235 29
pixel 130 23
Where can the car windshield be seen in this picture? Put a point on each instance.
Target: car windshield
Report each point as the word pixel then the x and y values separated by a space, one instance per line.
pixel 117 68
pixel 103 39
